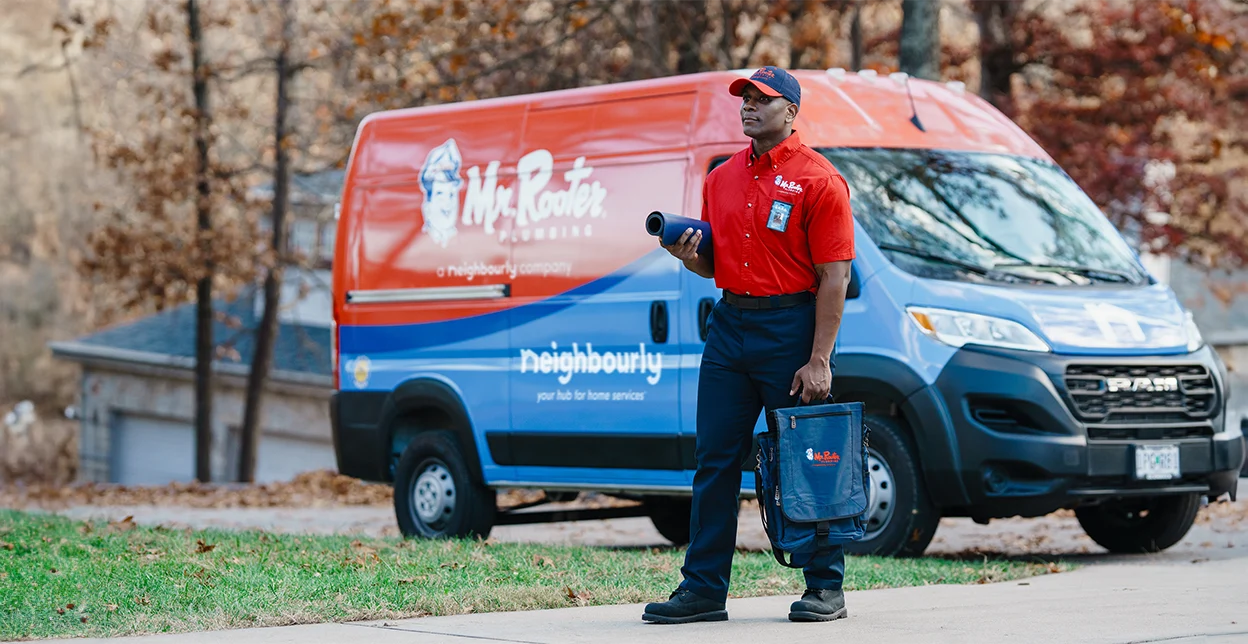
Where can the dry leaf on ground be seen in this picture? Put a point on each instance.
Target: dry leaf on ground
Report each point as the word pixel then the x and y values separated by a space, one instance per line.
pixel 201 547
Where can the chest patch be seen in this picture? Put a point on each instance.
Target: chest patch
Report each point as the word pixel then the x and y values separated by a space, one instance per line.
pixel 778 220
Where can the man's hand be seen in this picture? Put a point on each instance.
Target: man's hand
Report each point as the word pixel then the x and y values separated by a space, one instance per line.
pixel 686 247
pixel 814 380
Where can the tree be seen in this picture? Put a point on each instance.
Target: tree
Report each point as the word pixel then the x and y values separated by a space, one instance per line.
pixel 920 38
pixel 203 217
pixel 1144 105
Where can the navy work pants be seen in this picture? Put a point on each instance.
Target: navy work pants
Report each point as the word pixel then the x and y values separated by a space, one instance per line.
pixel 748 364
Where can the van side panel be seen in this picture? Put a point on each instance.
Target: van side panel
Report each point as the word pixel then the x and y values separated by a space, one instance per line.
pixel 595 339
pixel 426 299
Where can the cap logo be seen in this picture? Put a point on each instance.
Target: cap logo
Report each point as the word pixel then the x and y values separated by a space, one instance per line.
pixel 762 73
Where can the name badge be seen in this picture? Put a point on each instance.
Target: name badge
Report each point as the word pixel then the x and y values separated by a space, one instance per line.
pixel 778 220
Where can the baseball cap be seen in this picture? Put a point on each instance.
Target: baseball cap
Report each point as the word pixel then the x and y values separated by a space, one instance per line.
pixel 771 81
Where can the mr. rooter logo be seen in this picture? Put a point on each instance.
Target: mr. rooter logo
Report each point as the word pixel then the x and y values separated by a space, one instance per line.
pixel 822 458
pixel 529 200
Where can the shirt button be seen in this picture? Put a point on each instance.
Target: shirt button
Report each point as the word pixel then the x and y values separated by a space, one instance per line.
pixel 749 205
pixel 747 235
pixel 755 176
pixel 747 264
pixel 747 292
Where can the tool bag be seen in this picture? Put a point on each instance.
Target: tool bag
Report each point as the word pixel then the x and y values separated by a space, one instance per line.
pixel 812 480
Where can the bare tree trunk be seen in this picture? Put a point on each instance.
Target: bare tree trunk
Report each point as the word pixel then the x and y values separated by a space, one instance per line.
pixel 920 38
pixel 266 334
pixel 855 37
pixel 203 289
pixel 996 49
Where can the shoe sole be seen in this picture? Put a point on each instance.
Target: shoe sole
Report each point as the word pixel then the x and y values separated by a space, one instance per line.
pixel 713 616
pixel 808 616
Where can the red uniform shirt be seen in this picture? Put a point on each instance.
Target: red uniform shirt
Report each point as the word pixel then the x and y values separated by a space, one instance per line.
pixel 775 217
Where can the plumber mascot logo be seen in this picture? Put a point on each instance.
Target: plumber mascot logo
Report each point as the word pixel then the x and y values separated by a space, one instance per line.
pixel 441 183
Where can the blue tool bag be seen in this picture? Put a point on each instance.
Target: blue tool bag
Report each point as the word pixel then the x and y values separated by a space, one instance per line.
pixel 812 479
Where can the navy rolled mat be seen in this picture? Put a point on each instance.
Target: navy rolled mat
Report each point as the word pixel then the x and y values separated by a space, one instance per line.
pixel 669 228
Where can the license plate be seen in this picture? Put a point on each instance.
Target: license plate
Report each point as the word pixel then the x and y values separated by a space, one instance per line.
pixel 1156 462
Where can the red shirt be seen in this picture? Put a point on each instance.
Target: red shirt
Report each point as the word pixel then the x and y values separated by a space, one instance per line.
pixel 775 217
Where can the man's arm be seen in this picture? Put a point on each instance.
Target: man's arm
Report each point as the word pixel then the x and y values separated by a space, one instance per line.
pixel 815 379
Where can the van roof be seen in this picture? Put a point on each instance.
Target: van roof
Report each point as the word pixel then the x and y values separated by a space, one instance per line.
pixel 839 109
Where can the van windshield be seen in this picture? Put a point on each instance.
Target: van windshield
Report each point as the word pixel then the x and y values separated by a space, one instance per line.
pixel 983 217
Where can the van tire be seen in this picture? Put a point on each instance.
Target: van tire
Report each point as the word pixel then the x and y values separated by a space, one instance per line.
pixel 909 527
pixel 1132 526
pixel 435 496
pixel 670 516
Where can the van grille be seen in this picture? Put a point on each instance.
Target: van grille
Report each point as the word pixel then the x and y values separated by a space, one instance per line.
pixel 1108 394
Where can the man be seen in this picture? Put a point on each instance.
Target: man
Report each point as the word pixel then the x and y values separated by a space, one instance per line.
pixel 783 242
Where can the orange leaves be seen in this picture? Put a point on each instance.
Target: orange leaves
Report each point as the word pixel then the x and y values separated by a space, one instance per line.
pixel 201 547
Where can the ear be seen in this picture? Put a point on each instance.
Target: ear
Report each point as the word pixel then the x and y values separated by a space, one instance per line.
pixel 790 113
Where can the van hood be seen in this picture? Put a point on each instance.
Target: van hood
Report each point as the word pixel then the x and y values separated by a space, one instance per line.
pixel 1087 319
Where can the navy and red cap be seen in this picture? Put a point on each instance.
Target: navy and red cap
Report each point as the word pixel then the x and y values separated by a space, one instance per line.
pixel 771 81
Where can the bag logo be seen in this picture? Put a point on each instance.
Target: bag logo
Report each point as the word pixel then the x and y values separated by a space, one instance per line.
pixel 822 458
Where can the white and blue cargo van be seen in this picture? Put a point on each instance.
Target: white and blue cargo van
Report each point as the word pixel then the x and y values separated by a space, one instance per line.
pixel 502 319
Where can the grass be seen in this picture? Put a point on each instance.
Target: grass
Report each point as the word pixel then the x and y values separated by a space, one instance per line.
pixel 63 578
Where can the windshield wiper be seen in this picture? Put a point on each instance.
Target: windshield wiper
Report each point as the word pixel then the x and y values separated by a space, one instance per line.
pixel 1087 271
pixel 935 258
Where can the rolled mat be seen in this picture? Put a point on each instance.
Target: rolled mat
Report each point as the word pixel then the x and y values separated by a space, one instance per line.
pixel 669 228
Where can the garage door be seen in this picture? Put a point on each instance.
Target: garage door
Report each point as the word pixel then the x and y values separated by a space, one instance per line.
pixel 150 451
pixel 280 458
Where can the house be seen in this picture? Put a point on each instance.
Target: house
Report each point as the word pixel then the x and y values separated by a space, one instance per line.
pixel 137 399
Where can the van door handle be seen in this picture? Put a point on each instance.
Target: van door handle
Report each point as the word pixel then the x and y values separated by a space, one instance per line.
pixel 705 306
pixel 658 321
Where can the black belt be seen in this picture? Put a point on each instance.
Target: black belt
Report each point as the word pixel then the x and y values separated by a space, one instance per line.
pixel 768 301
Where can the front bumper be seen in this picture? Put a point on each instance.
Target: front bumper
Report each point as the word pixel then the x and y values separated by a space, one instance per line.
pixel 1026 448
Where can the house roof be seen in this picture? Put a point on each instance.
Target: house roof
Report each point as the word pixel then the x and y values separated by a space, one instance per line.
pixel 301 353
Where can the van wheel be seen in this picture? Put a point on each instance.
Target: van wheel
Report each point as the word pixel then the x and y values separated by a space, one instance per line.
pixel 1140 525
pixel 670 516
pixel 435 496
pixel 901 519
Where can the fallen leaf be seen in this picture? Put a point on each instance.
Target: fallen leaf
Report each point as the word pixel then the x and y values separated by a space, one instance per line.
pixel 580 598
pixel 142 600
pixel 69 606
pixel 3 575
pixel 1206 544
pixel 60 611
pixel 1054 568
pixel 6 545
pixel 125 525
pixel 541 560
pixel 410 580
pixel 84 619
pixel 202 547
pixel 85 528
pixel 454 565
pixel 53 571
pixel 110 607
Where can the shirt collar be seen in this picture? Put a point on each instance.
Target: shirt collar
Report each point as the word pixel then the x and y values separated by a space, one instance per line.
pixel 778 154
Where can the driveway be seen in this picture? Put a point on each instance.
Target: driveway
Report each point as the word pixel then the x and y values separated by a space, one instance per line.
pixel 1221 530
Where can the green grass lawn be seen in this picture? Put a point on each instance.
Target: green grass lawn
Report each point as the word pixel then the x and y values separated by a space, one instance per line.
pixel 62 578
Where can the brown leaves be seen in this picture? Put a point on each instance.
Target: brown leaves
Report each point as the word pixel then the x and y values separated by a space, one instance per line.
pixel 201 547
pixel 542 560
pixel 5 545
pixel 580 598
pixel 125 525
pixel 143 600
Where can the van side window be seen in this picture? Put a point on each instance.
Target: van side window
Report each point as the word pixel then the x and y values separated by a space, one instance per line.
pixel 716 162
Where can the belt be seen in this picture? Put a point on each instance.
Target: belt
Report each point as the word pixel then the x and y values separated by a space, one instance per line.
pixel 768 301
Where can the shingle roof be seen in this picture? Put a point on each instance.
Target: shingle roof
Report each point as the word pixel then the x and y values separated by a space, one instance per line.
pixel 299 348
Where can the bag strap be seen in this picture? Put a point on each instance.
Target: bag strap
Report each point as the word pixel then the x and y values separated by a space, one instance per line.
pixel 762 511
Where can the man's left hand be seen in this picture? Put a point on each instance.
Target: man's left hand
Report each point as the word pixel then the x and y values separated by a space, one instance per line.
pixel 814 380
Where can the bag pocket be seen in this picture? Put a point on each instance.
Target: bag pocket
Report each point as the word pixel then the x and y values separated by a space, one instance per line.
pixel 821 463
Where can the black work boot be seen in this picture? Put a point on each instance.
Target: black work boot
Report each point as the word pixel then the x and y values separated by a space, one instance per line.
pixel 818 606
pixel 683 607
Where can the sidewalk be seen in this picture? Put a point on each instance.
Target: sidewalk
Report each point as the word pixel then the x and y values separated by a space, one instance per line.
pixel 1150 601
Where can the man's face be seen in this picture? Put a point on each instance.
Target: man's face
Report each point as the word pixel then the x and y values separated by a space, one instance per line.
pixel 763 116
pixel 442 205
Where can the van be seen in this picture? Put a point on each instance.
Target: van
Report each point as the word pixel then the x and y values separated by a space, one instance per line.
pixel 503 320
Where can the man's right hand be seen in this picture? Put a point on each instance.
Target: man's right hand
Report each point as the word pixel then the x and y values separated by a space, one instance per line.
pixel 686 246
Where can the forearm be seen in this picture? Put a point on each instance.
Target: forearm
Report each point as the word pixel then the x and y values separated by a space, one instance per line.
pixel 704 266
pixel 829 306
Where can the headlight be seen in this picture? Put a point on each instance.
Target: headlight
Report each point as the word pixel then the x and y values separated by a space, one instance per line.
pixel 956 328
pixel 1194 339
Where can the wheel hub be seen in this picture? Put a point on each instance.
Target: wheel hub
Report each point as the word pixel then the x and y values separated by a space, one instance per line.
pixel 879 494
pixel 433 494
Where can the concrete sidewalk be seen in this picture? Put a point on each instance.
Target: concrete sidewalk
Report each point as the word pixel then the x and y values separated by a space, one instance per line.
pixel 1150 601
